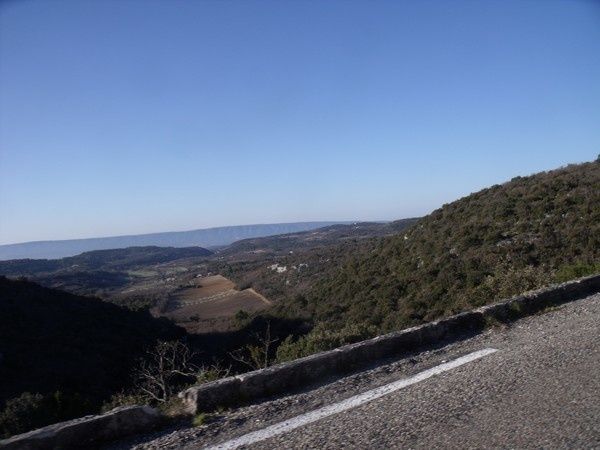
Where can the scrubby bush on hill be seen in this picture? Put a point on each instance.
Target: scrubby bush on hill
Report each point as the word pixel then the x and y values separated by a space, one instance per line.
pixel 499 242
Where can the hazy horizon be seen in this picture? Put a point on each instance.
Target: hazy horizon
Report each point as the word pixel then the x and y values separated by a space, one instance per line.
pixel 187 230
pixel 128 118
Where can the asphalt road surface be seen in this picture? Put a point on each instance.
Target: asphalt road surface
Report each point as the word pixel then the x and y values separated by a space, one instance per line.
pixel 533 384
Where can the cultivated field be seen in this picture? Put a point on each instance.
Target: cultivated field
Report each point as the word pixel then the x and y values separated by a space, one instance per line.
pixel 209 305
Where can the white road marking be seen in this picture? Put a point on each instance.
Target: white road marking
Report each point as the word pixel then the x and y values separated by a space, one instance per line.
pixel 349 403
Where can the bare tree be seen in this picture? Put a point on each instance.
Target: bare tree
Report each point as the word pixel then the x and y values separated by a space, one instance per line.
pixel 167 366
pixel 256 356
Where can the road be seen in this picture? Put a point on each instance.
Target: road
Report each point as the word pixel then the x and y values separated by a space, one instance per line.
pixel 540 388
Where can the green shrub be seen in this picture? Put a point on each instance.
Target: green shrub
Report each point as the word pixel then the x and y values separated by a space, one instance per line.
pixel 571 271
pixel 32 410
pixel 241 318
pixel 200 419
pixel 322 338
pixel 124 399
pixel 21 414
pixel 212 373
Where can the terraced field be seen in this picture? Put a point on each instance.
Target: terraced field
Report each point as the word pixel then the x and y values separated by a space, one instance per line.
pixel 210 304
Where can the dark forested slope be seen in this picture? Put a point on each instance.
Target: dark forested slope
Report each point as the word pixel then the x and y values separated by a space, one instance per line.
pixel 77 349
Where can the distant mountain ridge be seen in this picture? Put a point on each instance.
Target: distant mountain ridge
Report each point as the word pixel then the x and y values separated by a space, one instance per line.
pixel 207 237
pixel 114 259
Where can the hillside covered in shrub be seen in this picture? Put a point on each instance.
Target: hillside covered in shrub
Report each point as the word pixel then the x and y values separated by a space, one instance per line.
pixel 499 242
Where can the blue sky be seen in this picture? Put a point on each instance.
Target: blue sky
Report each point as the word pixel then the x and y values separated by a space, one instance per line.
pixel 124 117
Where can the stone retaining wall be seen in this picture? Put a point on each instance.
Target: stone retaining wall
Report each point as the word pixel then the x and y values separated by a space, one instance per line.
pixel 88 431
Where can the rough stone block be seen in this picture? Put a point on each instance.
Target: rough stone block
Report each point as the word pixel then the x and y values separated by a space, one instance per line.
pixel 87 431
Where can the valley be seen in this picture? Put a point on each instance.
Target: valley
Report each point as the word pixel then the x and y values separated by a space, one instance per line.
pixel 200 290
